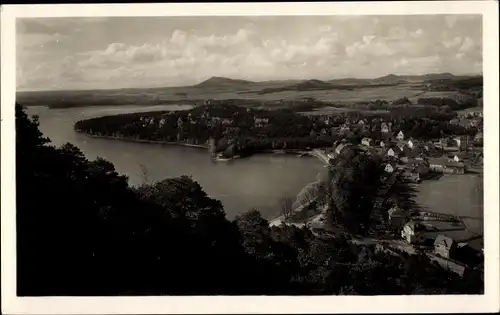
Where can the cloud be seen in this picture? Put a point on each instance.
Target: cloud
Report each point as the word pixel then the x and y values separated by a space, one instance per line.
pixel 185 53
pixel 467 45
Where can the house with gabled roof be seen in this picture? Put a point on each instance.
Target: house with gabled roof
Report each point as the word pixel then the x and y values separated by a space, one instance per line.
pixel 393 151
pixel 414 233
pixel 400 136
pixel 389 168
pixel 444 246
pixel 384 128
pixel 410 144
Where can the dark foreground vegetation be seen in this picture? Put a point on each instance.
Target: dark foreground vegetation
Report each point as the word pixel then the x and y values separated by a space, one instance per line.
pixel 82 230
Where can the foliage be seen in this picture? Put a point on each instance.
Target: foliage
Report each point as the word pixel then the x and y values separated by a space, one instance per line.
pixel 81 230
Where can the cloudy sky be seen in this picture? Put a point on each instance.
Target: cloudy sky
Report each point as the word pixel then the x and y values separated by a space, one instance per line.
pixel 88 53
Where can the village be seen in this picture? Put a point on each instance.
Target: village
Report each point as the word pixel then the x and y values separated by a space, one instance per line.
pixel 445 238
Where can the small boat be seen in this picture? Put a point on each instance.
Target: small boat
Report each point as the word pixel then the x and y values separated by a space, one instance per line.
pixel 220 158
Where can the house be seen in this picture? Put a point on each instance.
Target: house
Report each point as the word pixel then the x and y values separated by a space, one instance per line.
pixel 410 144
pixel 384 128
pixel 366 141
pixel 397 217
pixel 444 246
pixel 162 122
pixel 260 121
pixel 389 168
pixel 361 122
pixel 414 233
pixel 382 144
pixel 179 122
pixel 345 127
pixel 400 136
pixel 446 165
pixel 394 152
pixel 456 159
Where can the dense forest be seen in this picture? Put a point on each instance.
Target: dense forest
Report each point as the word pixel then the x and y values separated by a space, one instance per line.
pixel 82 230
pixel 236 127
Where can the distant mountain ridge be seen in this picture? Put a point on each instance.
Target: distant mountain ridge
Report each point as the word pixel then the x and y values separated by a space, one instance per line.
pixel 320 84
pixel 222 81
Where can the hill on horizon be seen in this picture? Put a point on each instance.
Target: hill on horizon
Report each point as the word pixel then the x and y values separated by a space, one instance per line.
pixel 218 82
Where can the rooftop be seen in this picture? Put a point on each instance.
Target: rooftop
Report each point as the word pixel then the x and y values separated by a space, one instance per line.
pixel 443 240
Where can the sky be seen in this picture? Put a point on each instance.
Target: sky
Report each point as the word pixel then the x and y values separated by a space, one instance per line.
pixel 121 52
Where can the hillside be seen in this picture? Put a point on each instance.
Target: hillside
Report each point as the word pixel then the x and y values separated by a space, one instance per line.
pixel 221 82
pixel 340 91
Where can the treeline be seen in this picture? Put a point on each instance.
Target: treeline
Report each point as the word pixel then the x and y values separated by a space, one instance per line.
pixel 81 230
pixel 449 102
pixel 237 127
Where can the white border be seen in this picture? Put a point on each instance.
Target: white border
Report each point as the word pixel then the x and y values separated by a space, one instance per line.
pixel 349 304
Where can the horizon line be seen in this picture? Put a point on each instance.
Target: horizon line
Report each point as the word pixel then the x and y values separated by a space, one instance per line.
pixel 252 81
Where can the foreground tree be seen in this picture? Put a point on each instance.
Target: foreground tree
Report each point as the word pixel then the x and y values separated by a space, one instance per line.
pixel 81 230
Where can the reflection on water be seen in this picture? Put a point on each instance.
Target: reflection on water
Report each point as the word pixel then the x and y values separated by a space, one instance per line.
pixel 255 182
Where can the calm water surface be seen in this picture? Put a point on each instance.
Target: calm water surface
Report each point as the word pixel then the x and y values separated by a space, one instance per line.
pixel 256 182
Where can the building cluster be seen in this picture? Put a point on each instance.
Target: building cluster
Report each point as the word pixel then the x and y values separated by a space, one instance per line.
pixel 415 158
pixel 440 248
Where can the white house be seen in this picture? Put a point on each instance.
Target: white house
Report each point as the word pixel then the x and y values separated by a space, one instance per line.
pixel 400 136
pixel 389 168
pixel 394 152
pixel 410 144
pixel 384 128
pixel 456 159
pixel 162 122
pixel 382 144
pixel 414 233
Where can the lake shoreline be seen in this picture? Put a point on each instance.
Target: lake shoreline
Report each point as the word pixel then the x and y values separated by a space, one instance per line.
pixel 301 153
pixel 197 146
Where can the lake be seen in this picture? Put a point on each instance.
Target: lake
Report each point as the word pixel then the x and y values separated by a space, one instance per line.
pixel 257 182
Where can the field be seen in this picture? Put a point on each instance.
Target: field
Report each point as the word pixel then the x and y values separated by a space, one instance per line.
pixel 249 93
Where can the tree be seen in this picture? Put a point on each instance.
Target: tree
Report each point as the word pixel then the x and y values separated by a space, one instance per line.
pixel 144 174
pixel 286 204
pixel 355 185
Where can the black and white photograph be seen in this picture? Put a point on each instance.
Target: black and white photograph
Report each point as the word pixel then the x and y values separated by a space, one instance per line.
pixel 249 154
